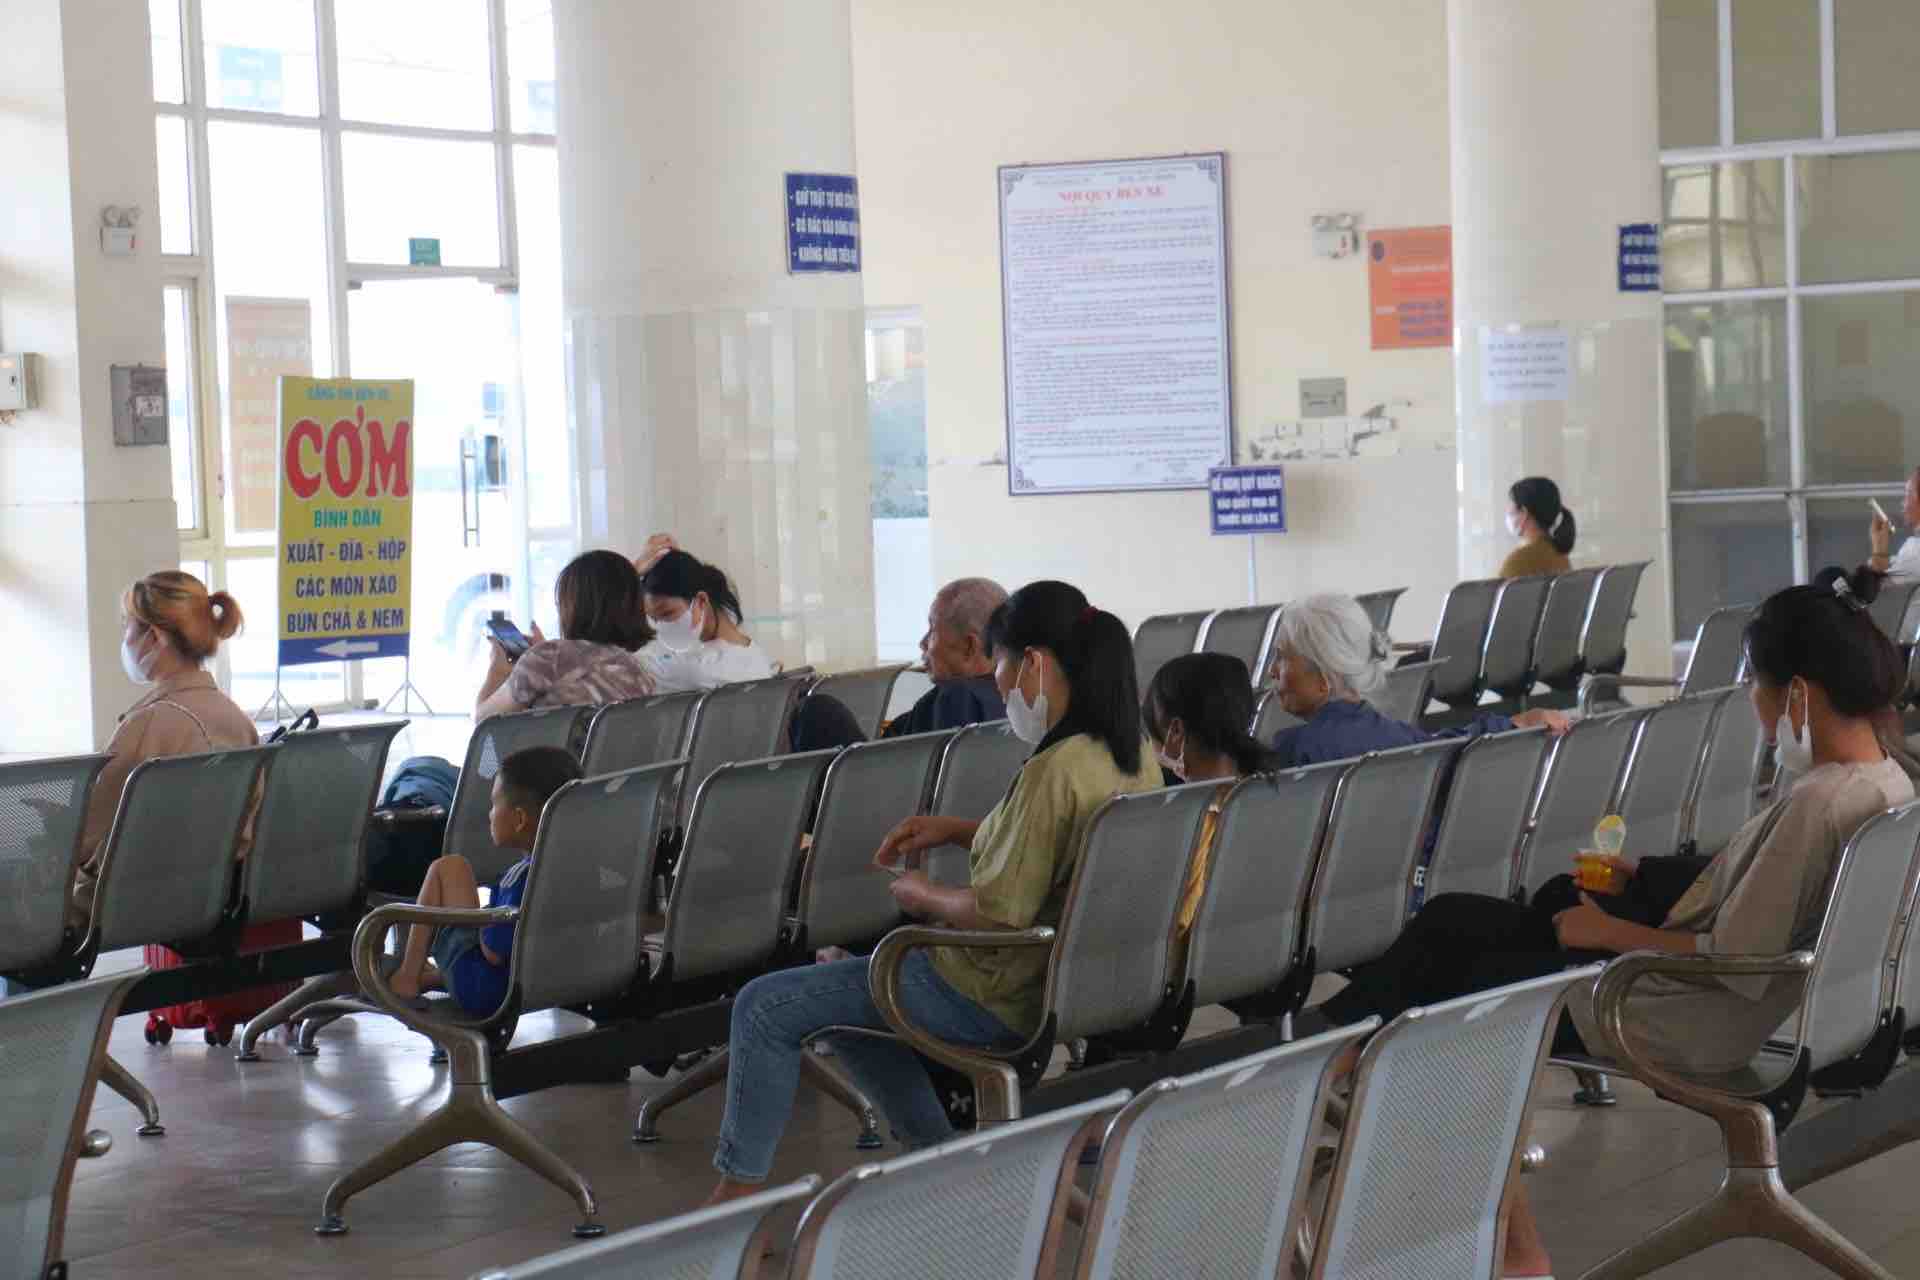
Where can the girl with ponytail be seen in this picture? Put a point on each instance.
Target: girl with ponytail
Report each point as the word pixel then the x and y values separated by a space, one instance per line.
pixel 696 616
pixel 1544 525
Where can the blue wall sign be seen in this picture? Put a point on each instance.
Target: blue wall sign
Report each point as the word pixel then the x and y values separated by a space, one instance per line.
pixel 1639 258
pixel 1247 500
pixel 823 222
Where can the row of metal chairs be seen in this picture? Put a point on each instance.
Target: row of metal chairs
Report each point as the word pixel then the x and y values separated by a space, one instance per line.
pixel 1245 633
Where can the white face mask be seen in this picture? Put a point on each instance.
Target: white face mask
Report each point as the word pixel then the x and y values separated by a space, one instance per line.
pixel 680 634
pixel 1793 750
pixel 1514 525
pixel 130 662
pixel 1027 719
pixel 1175 765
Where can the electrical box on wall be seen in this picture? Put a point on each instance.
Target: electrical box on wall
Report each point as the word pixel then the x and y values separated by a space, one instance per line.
pixel 16 381
pixel 139 404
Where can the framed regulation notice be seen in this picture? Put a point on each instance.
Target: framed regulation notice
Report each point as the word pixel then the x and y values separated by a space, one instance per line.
pixel 1113 285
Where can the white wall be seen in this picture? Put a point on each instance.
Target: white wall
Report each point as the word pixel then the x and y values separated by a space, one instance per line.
pixel 1319 108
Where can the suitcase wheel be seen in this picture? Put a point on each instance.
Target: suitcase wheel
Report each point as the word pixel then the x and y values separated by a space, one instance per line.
pixel 159 1030
pixel 221 1034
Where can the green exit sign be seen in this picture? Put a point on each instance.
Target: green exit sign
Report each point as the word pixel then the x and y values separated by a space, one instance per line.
pixel 423 251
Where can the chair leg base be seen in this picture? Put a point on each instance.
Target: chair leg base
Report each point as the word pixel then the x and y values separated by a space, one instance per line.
pixel 708 1072
pixel 331 1225
pixel 288 1010
pixel 589 1231
pixel 122 1082
pixel 1595 1090
pixel 154 1130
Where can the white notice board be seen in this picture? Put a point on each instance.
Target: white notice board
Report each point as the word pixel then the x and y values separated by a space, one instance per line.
pixel 1113 286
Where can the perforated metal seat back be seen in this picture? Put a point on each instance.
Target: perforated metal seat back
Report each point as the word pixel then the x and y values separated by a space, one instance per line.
pixel 864 693
pixel 977 770
pixel 746 721
pixel 1578 791
pixel 639 732
pixel 1407 691
pixel 1374 840
pixel 51 1046
pixel 1199 1174
pixel 1725 799
pixel 844 899
pixel 1850 986
pixel 1507 667
pixel 1110 962
pixel 1161 639
pixel 1604 647
pixel 1379 606
pixel 1667 761
pixel 579 931
pixel 973 1209
pixel 168 866
pixel 1459 639
pixel 494 739
pixel 1563 623
pixel 311 851
pixel 1440 1104
pixel 1485 818
pixel 43 805
pixel 1719 650
pixel 1240 633
pixel 1269 717
pixel 1889 609
pixel 1246 934
pixel 730 891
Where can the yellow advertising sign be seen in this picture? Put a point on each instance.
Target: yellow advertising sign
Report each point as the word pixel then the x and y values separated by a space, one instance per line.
pixel 346 519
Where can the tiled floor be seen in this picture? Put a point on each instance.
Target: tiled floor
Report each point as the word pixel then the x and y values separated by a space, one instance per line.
pixel 235 1185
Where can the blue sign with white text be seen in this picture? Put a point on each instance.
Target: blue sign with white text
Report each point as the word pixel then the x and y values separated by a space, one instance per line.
pixel 1639 258
pixel 823 222
pixel 1247 500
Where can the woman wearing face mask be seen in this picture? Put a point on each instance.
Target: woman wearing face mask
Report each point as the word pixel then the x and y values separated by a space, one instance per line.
pixel 1066 672
pixel 695 614
pixel 1544 526
pixel 1823 673
pixel 173 626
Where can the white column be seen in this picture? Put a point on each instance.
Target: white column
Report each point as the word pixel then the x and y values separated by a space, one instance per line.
pixel 80 518
pixel 1555 144
pixel 714 395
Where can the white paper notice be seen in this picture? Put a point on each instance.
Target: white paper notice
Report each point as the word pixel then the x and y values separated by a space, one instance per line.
pixel 1531 364
pixel 1114 287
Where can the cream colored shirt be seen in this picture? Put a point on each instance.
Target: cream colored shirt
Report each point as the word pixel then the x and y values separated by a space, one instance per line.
pixel 707 665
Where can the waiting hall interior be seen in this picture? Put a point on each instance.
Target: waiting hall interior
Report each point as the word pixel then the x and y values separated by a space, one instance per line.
pixel 1253 639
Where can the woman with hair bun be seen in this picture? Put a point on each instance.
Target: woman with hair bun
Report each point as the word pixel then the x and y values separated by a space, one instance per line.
pixel 696 616
pixel 1545 527
pixel 173 626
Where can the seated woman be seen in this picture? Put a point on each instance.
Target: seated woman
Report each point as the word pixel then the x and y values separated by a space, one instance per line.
pixel 1822 673
pixel 696 616
pixel 1066 671
pixel 1544 526
pixel 1328 660
pixel 603 626
pixel 173 627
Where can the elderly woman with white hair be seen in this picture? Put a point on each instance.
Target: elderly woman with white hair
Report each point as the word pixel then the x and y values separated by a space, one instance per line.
pixel 1328 661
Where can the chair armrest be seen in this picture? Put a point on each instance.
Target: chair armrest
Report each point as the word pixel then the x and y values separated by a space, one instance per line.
pixel 1594 687
pixel 883 980
pixel 1617 982
pixel 401 815
pixel 371 933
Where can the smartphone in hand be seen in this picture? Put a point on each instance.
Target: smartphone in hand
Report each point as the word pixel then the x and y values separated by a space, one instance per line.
pixel 1879 510
pixel 508 637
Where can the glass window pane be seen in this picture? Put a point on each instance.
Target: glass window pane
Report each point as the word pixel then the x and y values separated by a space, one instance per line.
pixel 1724 226
pixel 424 64
pixel 260 55
pixel 1776 70
pixel 163 23
pixel 1837 528
pixel 550 481
pixel 1727 395
pixel 1856 217
pixel 1863 406
pixel 270 258
pixel 183 423
pixel 1876 45
pixel 254 653
pixel 1727 553
pixel 176 181
pixel 530 64
pixel 399 189
pixel 1689 44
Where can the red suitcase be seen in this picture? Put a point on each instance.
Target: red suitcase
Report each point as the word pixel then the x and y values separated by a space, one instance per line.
pixel 220 1015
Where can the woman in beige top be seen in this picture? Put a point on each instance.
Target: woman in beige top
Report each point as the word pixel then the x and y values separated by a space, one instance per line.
pixel 1544 526
pixel 1823 672
pixel 173 626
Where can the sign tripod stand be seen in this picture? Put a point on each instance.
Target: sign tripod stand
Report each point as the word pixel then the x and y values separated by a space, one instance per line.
pixel 407 692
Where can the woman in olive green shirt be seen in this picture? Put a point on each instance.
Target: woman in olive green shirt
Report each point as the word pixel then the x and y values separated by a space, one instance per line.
pixel 1066 672
pixel 1545 527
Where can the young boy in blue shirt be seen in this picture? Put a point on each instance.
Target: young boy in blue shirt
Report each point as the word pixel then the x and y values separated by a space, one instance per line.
pixel 471 964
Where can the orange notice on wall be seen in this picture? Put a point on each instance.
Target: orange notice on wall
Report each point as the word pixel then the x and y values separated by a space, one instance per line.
pixel 1410 287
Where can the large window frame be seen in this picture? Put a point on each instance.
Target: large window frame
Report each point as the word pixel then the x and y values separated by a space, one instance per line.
pixel 1799 490
pixel 208 541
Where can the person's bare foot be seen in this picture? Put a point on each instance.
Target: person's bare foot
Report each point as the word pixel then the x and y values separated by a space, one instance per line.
pixel 728 1189
pixel 405 985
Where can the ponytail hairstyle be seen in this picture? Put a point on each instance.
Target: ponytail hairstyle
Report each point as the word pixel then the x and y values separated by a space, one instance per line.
pixel 1823 634
pixel 1095 652
pixel 682 577
pixel 1211 695
pixel 1539 497
pixel 177 605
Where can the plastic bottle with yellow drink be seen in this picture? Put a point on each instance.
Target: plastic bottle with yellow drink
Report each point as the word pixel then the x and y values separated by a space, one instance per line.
pixel 1594 869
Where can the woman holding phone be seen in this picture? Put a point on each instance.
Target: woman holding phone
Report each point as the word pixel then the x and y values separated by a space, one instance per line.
pixel 596 660
pixel 1904 568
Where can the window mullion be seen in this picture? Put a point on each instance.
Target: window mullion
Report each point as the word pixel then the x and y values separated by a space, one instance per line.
pixel 1725 48
pixel 1829 94
pixel 508 217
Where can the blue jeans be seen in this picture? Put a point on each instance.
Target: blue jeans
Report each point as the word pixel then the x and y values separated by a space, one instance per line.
pixel 776 1014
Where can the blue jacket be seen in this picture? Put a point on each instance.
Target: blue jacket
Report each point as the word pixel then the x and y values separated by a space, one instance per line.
pixel 1343 730
pixel 952 704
